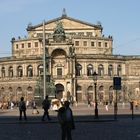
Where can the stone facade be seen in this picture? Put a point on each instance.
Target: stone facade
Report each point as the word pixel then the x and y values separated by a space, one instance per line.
pixel 74 50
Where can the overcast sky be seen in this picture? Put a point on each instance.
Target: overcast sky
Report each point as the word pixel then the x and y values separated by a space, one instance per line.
pixel 119 18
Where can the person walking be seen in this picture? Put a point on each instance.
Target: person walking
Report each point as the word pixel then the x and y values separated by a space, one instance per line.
pixel 66 120
pixel 34 106
pixel 46 105
pixel 22 109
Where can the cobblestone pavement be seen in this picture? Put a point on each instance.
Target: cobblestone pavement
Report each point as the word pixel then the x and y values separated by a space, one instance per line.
pixel 87 128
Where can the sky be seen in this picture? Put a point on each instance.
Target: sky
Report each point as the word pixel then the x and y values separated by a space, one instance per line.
pixel 119 18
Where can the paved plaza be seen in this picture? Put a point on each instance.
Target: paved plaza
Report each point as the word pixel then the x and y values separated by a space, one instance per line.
pixel 87 128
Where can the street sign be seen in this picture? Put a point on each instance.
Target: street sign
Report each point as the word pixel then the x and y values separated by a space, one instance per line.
pixel 117 83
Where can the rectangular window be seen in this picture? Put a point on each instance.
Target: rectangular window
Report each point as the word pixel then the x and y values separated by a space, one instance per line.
pixel 85 43
pixel 59 71
pixel 22 45
pixel 99 44
pixel 16 46
pixel 36 44
pixel 76 43
pixel 106 45
pixel 29 45
pixel 92 44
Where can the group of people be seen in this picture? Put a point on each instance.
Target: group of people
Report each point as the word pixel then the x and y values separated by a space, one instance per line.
pixel 65 116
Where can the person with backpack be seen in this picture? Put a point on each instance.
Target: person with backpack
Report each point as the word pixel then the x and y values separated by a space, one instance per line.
pixel 66 120
pixel 46 105
pixel 22 109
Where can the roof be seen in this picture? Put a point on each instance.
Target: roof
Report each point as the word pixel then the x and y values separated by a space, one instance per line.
pixel 30 27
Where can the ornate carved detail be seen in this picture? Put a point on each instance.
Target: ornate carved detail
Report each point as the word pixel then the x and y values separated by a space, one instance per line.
pixel 59 33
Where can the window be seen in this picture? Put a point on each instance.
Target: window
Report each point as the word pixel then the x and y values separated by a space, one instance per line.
pixel 89 70
pixel 29 71
pixel 22 45
pixel 10 71
pixel 85 43
pixel 106 44
pixel 16 46
pixel 40 70
pixel 76 43
pixel 92 44
pixel 119 69
pixel 3 72
pixel 36 44
pixel 19 71
pixel 100 70
pixel 29 45
pixel 78 69
pixel 99 44
pixel 59 71
pixel 110 70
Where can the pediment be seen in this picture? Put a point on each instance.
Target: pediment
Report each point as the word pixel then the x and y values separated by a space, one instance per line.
pixel 68 24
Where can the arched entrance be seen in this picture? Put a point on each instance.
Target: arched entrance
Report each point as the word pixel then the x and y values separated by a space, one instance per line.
pixel 101 94
pixel 110 94
pixel 59 91
pixel 29 95
pixel 19 93
pixel 90 93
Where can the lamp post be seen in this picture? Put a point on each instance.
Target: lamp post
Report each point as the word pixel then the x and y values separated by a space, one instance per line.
pixel 95 88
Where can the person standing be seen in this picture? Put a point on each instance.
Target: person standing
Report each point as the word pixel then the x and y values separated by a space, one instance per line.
pixel 22 109
pixel 46 105
pixel 106 106
pixel 66 120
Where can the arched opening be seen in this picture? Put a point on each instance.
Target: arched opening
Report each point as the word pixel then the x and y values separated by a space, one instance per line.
pixel 78 69
pixel 19 93
pixel 10 71
pixel 19 71
pixel 78 93
pixel 29 94
pixel 90 93
pixel 29 71
pixel 111 94
pixel 100 70
pixel 101 94
pixel 89 70
pixel 11 95
pixel 40 70
pixel 59 63
pixel 59 91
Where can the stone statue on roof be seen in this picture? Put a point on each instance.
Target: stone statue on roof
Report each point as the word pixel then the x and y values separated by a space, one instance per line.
pixel 59 32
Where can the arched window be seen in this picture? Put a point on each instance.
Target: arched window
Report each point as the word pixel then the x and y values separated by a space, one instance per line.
pixel 10 71
pixel 90 93
pixel 100 70
pixel 101 94
pixel 19 71
pixel 40 70
pixel 3 72
pixel 119 69
pixel 29 89
pixel 110 94
pixel 29 71
pixel 78 70
pixel 110 70
pixel 89 70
